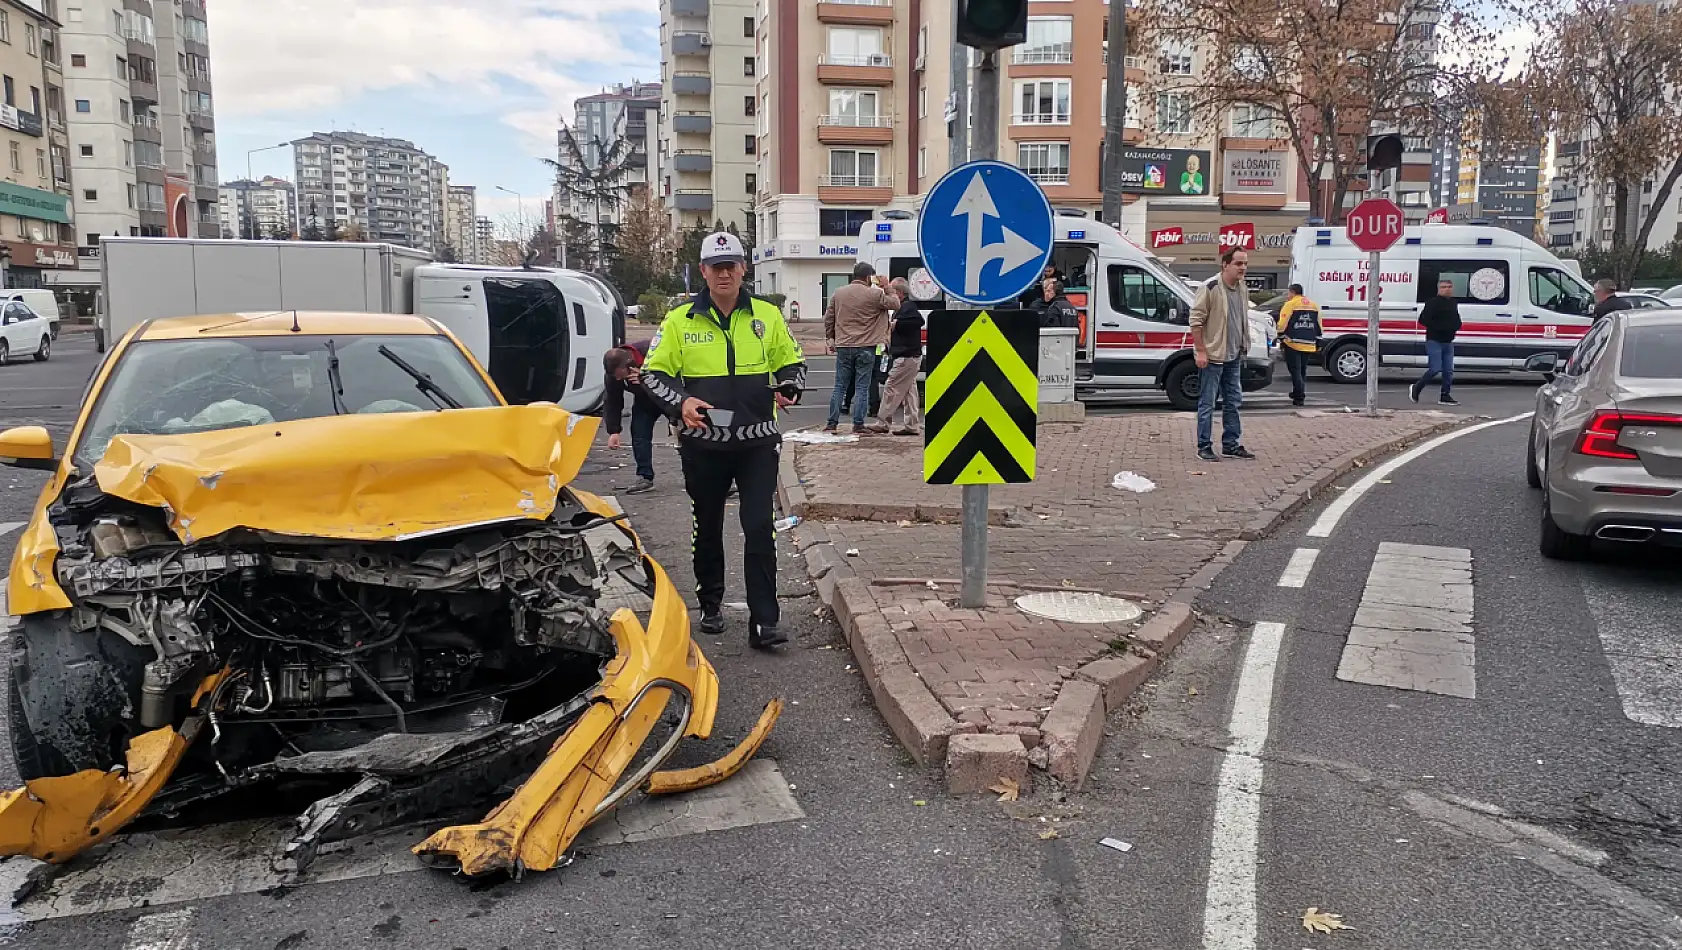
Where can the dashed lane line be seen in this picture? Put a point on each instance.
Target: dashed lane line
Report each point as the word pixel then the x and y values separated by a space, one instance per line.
pixel 1328 520
pixel 1301 564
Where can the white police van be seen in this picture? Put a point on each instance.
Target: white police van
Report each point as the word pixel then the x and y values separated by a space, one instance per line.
pixel 1134 312
pixel 1515 298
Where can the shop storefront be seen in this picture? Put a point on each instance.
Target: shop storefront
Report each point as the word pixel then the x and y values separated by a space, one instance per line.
pixel 29 264
pixel 38 215
pixel 1191 241
pixel 806 273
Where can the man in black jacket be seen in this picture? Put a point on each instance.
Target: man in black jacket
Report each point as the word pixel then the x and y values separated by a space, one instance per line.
pixel 624 372
pixel 1053 308
pixel 905 358
pixel 1441 319
pixel 1606 298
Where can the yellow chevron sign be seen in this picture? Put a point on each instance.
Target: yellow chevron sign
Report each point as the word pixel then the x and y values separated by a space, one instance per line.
pixel 983 393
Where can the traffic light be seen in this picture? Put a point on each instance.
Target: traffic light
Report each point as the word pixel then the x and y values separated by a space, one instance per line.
pixel 992 24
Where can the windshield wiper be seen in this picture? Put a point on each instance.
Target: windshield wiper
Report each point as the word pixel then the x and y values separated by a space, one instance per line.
pixel 423 382
pixel 335 382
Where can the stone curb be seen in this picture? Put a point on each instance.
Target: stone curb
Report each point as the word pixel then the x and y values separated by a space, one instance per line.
pixel 1072 729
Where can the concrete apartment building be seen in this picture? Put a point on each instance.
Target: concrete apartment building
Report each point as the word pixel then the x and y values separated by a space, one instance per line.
pixel 709 110
pixel 630 112
pixel 257 210
pixel 142 120
pixel 388 189
pixel 1581 211
pixel 461 211
pixel 35 220
pixel 1502 185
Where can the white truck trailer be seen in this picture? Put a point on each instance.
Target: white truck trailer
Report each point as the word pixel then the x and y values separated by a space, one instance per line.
pixel 540 331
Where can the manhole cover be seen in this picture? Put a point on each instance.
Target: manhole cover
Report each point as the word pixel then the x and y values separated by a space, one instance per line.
pixel 1070 606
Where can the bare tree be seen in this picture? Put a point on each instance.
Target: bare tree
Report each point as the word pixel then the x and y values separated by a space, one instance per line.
pixel 647 247
pixel 1322 75
pixel 601 185
pixel 1609 74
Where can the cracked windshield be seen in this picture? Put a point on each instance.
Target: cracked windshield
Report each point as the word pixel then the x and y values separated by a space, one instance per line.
pixel 1134 474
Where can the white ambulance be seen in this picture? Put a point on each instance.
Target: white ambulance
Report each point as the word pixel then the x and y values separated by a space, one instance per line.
pixel 1516 299
pixel 1134 312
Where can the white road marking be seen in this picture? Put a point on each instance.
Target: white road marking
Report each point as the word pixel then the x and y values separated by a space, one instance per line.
pixel 1229 908
pixel 7 527
pixel 1296 572
pixel 170 930
pixel 1643 650
pixel 1413 629
pixel 1327 522
pixel 194 864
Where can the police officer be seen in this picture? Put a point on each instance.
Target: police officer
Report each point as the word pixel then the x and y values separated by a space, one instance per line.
pixel 724 363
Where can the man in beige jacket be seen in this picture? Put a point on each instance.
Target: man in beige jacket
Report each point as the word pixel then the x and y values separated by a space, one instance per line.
pixel 1220 337
pixel 854 325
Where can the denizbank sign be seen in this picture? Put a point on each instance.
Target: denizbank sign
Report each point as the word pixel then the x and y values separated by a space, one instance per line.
pixel 34 203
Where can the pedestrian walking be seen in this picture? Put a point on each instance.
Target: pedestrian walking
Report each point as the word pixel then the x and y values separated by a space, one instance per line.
pixel 1606 298
pixel 624 365
pixel 854 325
pixel 1053 308
pixel 905 353
pixel 1299 330
pixel 1441 319
pixel 724 364
pixel 1220 336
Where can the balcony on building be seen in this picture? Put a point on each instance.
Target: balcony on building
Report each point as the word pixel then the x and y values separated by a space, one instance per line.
pixel 856 12
pixel 1133 66
pixel 699 123
pixel 692 84
pixel 144 92
pixel 692 43
pixel 689 199
pixel 698 8
pixel 1044 54
pixel 855 189
pixel 856 129
pixel 856 69
pixel 692 160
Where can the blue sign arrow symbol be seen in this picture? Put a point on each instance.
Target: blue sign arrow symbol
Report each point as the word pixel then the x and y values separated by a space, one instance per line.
pixel 1012 252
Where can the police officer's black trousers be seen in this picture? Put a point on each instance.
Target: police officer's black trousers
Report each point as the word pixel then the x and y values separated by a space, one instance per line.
pixel 707 474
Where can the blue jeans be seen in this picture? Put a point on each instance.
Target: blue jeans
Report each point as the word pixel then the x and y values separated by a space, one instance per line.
pixel 643 419
pixel 1226 381
pixel 1439 360
pixel 854 366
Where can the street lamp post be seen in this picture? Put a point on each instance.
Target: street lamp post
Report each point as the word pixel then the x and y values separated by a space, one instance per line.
pixel 521 201
pixel 245 195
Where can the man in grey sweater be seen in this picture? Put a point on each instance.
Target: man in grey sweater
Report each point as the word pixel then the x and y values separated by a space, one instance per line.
pixel 1220 336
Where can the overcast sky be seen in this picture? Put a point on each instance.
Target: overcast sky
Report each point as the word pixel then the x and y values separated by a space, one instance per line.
pixel 478 84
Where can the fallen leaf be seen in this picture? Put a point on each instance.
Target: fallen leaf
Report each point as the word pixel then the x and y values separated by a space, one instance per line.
pixel 905 524
pixel 1008 789
pixel 919 802
pixel 1049 834
pixel 1316 921
pixel 1191 691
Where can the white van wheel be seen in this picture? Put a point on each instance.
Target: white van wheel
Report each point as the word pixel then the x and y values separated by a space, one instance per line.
pixel 1348 363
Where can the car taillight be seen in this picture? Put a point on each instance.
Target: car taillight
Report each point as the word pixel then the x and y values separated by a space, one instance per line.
pixel 1600 435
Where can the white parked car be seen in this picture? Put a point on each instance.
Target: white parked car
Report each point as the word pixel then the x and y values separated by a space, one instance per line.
pixel 1674 293
pixel 22 330
pixel 1641 301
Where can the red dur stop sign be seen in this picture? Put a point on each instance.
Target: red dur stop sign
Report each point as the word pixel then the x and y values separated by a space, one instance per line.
pixel 1375 225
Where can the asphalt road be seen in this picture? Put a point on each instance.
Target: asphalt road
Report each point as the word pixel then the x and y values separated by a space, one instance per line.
pixel 878 856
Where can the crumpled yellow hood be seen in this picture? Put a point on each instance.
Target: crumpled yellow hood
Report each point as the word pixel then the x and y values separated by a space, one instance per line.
pixel 359 478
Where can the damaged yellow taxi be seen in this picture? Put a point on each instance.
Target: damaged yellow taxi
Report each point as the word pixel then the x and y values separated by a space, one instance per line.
pixel 321 549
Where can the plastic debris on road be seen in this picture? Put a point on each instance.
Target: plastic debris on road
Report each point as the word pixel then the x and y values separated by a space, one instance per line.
pixel 1116 844
pixel 811 437
pixel 1134 482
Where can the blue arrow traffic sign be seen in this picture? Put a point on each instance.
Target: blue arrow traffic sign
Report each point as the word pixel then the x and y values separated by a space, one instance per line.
pixel 985 232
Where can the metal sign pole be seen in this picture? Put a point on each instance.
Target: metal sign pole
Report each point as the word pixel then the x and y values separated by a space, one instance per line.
pixel 1372 334
pixel 985 123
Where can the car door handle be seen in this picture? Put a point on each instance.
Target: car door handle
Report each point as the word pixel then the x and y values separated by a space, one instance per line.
pixel 1532 316
pixel 1110 326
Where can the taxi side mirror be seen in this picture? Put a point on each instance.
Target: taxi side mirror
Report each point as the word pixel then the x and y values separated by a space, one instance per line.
pixel 28 447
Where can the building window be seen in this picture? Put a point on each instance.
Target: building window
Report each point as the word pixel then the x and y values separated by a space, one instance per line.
pixel 131 196
pixel 851 46
pixel 922 163
pixel 752 183
pixel 122 110
pixel 747 26
pixel 41 162
pixel 750 106
pixel 17 157
pixel 11 92
pixel 1051 39
pixel 1042 102
pixel 1175 61
pixel 1253 121
pixel 87 151
pixel 841 222
pixel 5 27
pixel 90 194
pixel 747 66
pixel 1173 113
pixel 84 106
pixel 78 60
pixel 852 168
pixel 93 239
pixel 922 101
pixel 1045 162
pixel 854 107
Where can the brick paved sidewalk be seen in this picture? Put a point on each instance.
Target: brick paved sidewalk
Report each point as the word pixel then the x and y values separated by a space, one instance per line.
pixel 1021 688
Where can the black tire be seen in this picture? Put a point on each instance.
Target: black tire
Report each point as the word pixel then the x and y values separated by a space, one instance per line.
pixel 1532 473
pixel 1557 544
pixel 72 697
pixel 44 352
pixel 5 353
pixel 1347 362
pixel 1183 386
